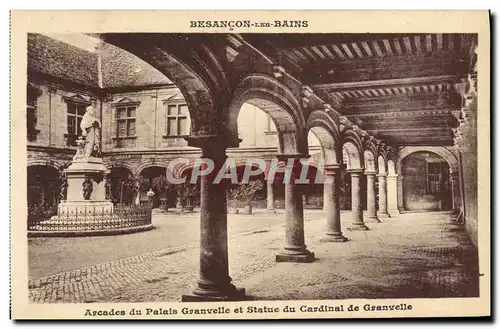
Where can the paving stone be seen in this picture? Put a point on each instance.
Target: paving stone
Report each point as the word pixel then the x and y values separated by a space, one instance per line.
pixel 409 256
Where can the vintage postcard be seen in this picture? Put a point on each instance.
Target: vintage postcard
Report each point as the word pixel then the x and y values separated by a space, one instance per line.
pixel 250 164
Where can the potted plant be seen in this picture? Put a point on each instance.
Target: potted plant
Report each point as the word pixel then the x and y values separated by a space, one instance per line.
pixel 247 192
pixel 234 196
pixel 162 186
pixel 179 197
pixel 144 185
pixel 189 193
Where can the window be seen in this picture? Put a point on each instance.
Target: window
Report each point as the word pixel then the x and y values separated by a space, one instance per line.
pixel 436 177
pixel 76 107
pixel 31 115
pixel 177 120
pixel 75 114
pixel 125 121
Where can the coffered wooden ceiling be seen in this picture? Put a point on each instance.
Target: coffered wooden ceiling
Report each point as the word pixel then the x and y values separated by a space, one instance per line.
pixel 403 88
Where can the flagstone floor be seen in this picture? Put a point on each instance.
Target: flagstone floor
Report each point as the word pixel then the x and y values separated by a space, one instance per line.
pixel 407 256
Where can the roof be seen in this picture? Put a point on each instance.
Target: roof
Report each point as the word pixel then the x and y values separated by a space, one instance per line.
pixel 122 69
pixel 119 69
pixel 61 60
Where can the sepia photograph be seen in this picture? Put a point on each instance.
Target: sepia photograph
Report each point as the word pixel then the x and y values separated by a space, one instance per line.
pixel 268 170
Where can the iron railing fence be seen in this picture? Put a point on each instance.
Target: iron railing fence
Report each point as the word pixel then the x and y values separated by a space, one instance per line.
pixel 123 216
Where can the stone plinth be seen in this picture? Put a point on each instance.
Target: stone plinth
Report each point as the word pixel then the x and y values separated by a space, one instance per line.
pixel 85 207
pixel 86 210
pixel 78 171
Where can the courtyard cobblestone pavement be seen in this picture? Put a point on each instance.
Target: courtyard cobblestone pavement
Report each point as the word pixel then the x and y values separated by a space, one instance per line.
pixel 409 256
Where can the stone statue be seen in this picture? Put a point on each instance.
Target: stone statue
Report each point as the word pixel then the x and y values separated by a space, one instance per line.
pixel 80 148
pixel 107 187
pixel 87 188
pixel 91 127
pixel 64 189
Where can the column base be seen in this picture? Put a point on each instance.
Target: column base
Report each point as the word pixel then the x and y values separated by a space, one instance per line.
pixel 304 257
pixel 230 293
pixel 358 227
pixel 271 211
pixel 334 237
pixel 383 215
pixel 394 212
pixel 372 219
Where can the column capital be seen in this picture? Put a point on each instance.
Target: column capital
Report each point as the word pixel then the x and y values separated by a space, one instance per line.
pixel 382 175
pixel 355 171
pixel 286 156
pixel 393 176
pixel 370 173
pixel 330 169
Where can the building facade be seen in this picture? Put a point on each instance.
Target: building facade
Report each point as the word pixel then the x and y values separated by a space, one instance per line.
pixel 144 118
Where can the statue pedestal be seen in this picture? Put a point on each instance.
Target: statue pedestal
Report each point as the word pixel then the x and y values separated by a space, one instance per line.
pixel 86 211
pixel 80 170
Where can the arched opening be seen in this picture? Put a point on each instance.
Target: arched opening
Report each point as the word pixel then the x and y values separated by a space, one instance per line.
pixel 189 192
pixel 261 125
pixel 370 167
pixel 426 184
pixel 381 165
pixel 286 120
pixel 43 192
pixel 43 185
pixel 391 167
pixel 321 150
pixel 122 186
pixel 248 191
pixel 351 160
pixel 370 161
pixel 165 192
pixel 313 192
pixel 256 127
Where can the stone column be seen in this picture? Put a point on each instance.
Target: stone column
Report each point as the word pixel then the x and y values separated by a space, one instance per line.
pixel 270 195
pixel 331 205
pixel 371 202
pixel 295 249
pixel 392 194
pixel 401 206
pixel 305 198
pixel 214 283
pixel 356 209
pixel 382 195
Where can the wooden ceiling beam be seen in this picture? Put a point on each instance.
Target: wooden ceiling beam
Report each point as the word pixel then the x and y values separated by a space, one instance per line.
pixel 389 83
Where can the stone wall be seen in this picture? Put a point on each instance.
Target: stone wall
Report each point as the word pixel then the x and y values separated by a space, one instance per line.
pixel 415 196
pixel 470 174
pixel 51 112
